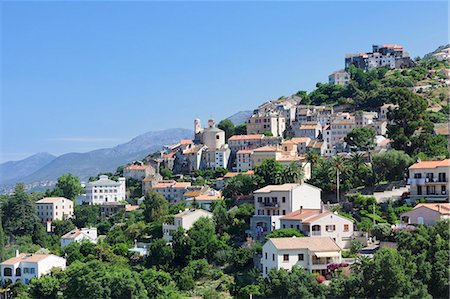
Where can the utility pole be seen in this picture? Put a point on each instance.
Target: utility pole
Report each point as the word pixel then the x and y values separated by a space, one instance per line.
pixel 337 184
pixel 373 213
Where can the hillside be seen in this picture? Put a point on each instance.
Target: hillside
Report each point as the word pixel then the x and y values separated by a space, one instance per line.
pixel 17 169
pixel 240 117
pixel 91 163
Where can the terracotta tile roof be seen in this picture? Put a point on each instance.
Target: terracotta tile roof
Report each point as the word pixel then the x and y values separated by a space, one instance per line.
pixel 169 155
pixel 298 140
pixel 230 174
pixel 137 167
pixel 246 137
pixel 129 208
pixel 186 141
pixel 182 185
pixel 267 148
pixel 315 244
pixel 51 200
pixel 300 214
pixel 441 129
pixel 249 172
pixel 289 158
pixel 26 257
pixel 442 208
pixel 72 234
pixel 192 193
pixel 206 197
pixel 430 164
pixel 244 152
pixel 196 211
pixel 308 126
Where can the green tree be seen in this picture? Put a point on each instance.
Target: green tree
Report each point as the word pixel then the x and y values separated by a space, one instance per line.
pixel 68 186
pixel 86 215
pixel 45 287
pixel 270 171
pixel 159 284
pixel 161 254
pixel 284 233
pixel 361 138
pixel 2 240
pixel 293 173
pixel 382 231
pixel 156 207
pixel 240 129
pixel 205 240
pixel 391 165
pixel 227 126
pixel 241 185
pixel 62 227
pixel 166 173
pixel 19 214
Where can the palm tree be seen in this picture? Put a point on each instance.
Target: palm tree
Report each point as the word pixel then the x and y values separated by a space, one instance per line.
pixel 312 157
pixel 339 165
pixel 357 160
pixel 293 173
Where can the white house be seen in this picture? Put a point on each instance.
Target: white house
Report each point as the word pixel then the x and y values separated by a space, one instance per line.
pixel 318 222
pixel 311 253
pixel 25 266
pixel 173 191
pixel 274 201
pixel 105 190
pixel 185 220
pixel 79 235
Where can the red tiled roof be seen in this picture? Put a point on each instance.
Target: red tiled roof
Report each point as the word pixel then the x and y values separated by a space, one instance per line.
pixel 246 137
pixel 430 164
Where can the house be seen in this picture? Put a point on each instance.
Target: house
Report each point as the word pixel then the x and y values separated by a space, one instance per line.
pixel 173 191
pixel 149 182
pixel 311 130
pixel 265 152
pixel 138 171
pixel 427 213
pixel 429 180
pixel 388 55
pixel 244 142
pixel 384 110
pixel 340 77
pixel 79 235
pixel 109 208
pixel 220 182
pixel 204 200
pixel 365 118
pixel 26 266
pixel 271 122
pixel 274 201
pixel 217 158
pixel 105 190
pixel 184 220
pixel 311 253
pixel 319 222
pixel 339 128
pixel 50 209
pixel 244 160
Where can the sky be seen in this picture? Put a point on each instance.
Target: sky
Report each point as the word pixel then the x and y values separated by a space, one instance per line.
pixel 78 76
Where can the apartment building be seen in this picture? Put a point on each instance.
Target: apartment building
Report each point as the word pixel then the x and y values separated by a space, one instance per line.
pixel 365 118
pixel 87 234
pixel 217 158
pixel 311 130
pixel 267 122
pixel 244 142
pixel 184 220
pixel 340 77
pixel 244 160
pixel 26 266
pixel 274 201
pixel 339 129
pixel 105 190
pixel 265 152
pixel 50 209
pixel 309 113
pixel 388 55
pixel 311 253
pixel 429 180
pixel 320 222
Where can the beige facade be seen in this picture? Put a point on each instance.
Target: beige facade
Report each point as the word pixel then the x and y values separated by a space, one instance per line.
pixel 50 209
pixel 171 190
pixel 430 180
pixel 269 122
pixel 244 160
pixel 184 220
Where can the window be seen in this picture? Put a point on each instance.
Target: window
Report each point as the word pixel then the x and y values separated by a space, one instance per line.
pixel 345 227
pixel 284 212
pixel 283 199
pixel 285 257
pixel 284 226
pixel 266 270
pixel 32 271
pixel 259 199
pixel 301 257
pixel 273 257
pixel 7 272
pixel 26 270
pixel 266 255
pixel 331 228
pixel 419 220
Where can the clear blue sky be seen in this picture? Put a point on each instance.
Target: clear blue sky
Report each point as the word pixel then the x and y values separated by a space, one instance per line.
pixel 78 76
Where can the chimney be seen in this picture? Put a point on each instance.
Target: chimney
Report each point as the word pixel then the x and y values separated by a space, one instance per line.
pixel 439 208
pixel 211 123
pixel 17 252
pixel 301 209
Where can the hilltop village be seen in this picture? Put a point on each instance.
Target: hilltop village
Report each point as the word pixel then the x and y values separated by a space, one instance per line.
pixel 336 193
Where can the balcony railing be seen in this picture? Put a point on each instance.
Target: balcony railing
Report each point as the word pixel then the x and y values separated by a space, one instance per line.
pixel 423 181
pixel 316 233
pixel 270 204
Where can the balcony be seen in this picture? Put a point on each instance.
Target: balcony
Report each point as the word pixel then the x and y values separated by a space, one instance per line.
pixel 414 182
pixel 270 204
pixel 424 181
pixel 316 233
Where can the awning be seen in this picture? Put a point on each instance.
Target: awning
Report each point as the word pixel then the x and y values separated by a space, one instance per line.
pixel 327 253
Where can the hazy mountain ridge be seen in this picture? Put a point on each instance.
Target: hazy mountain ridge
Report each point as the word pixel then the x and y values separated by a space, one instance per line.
pixel 240 117
pixel 91 163
pixel 16 169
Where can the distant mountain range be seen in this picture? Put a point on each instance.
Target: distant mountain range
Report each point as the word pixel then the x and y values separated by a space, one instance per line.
pixel 44 167
pixel 240 117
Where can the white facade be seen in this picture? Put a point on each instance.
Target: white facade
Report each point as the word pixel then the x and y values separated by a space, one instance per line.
pixel 274 201
pixel 25 267
pixel 340 77
pixel 105 190
pixel 185 220
pixel 244 160
pixel 171 190
pixel 50 209
pixel 79 235
pixel 268 122
pixel 321 223
pixel 310 253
